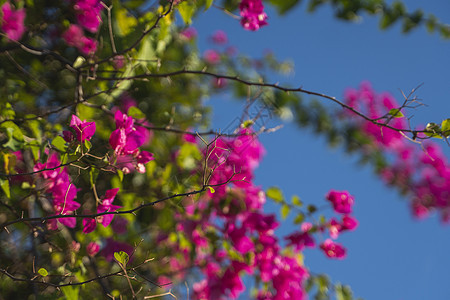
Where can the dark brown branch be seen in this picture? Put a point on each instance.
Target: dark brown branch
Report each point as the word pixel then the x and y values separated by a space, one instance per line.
pixel 262 84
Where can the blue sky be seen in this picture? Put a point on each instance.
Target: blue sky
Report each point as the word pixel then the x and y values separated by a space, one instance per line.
pixel 391 255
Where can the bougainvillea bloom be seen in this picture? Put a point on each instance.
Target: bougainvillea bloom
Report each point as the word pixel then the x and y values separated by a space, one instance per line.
pixel 422 172
pixel 253 15
pixel 12 23
pixel 92 248
pixel 211 57
pixel 88 14
pixel 189 34
pixel 107 206
pixel 349 223
pixel 62 190
pixel 219 37
pixel 333 250
pixel 74 37
pixel 83 130
pixel 125 141
pixel 89 224
pixel 301 239
pixel 342 201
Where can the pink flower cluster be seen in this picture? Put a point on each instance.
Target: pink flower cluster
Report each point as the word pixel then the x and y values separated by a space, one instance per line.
pixel 421 172
pixel 12 22
pixel 253 16
pixel 63 191
pixel 88 14
pixel 74 37
pixel 126 140
pixel 342 203
pixel 234 210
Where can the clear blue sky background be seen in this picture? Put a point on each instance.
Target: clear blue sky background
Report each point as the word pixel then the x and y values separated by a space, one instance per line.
pixel 391 255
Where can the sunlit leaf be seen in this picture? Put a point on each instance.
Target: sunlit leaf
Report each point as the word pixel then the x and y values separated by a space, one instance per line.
pixel 122 257
pixel 275 194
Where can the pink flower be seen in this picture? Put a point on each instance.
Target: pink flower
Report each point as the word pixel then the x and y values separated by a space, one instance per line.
pixel 119 225
pixel 260 222
pixel 119 62
pixel 241 242
pixel 83 130
pixel 253 15
pixel 300 240
pixel 12 22
pixel 333 250
pixel 125 141
pixel 211 57
pixel 189 34
pixel 88 14
pixel 89 225
pixel 73 35
pixel 107 206
pixel 342 201
pixel 88 45
pixel 92 248
pixel 349 223
pixel 75 247
pixel 334 228
pixel 62 190
pixel 219 37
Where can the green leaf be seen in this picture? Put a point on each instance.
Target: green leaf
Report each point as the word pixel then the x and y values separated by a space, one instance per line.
pixel 322 282
pixel 4 183
pixel 87 145
pixel 59 143
pixel 284 6
pixel 124 23
pixel 186 10
pixel 93 173
pixel 122 258
pixel 296 201
pixel 299 218
pixel 343 292
pixel 275 194
pixel 135 113
pixel 396 113
pixel 311 208
pixel 433 130
pixel 79 61
pixel 211 189
pixel 43 272
pixel 208 4
pixel 71 292
pixel 15 136
pixel 445 127
pixel 285 209
pixel 120 174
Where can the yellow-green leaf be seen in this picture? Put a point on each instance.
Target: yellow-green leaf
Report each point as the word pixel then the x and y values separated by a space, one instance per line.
pixel 122 258
pixel 43 272
pixel 396 113
pixel 445 127
pixel 4 183
pixel 285 209
pixel 275 194
pixel 186 10
pixel 208 4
